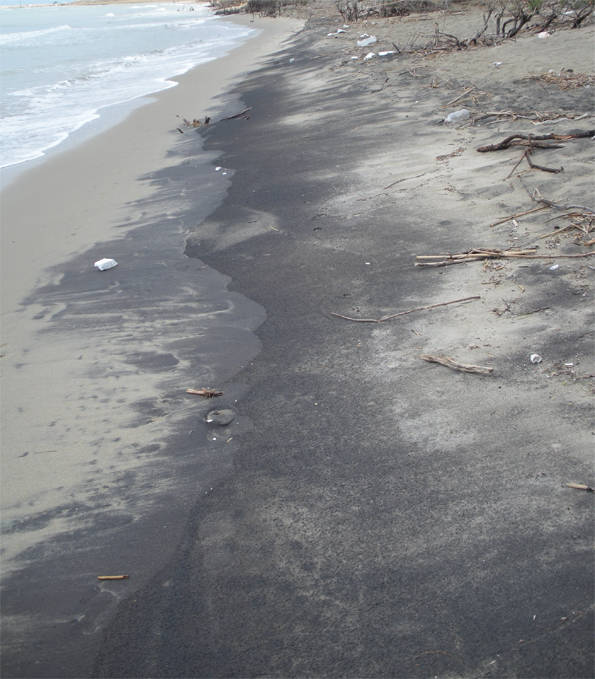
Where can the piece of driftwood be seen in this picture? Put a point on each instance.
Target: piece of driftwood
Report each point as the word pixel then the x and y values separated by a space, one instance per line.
pixel 479 254
pixel 580 486
pixel 519 214
pixel 525 139
pixel 112 577
pixel 455 365
pixel 238 115
pixel 205 393
pixel 536 197
pixel 535 117
pixel 382 319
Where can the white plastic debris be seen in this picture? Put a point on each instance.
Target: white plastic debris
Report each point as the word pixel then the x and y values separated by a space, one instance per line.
pixel 352 58
pixel 386 54
pixel 553 267
pixel 369 55
pixel 543 35
pixel 345 26
pixel 221 417
pixel 292 60
pixel 457 116
pixel 105 264
pixel 569 365
pixel 218 168
pixel 366 40
pixel 535 358
pixel 497 64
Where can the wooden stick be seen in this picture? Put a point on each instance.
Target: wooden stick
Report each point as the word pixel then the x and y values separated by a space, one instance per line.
pixel 454 101
pixel 479 252
pixel 475 257
pixel 403 313
pixel 553 170
pixel 580 486
pixel 519 161
pixel 520 214
pixel 112 577
pixel 455 365
pixel 505 143
pixel 238 115
pixel 205 393
pixel 557 231
pixel 402 180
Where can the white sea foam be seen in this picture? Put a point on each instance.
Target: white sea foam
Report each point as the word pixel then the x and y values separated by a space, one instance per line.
pixel 75 61
pixel 26 37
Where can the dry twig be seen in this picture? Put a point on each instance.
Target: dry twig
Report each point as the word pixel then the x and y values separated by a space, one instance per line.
pixel 566 80
pixel 519 214
pixel 580 486
pixel 479 254
pixel 461 96
pixel 455 365
pixel 238 115
pixel 112 577
pixel 205 393
pixel 382 319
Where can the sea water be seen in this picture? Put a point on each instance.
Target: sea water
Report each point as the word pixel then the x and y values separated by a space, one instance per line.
pixel 61 65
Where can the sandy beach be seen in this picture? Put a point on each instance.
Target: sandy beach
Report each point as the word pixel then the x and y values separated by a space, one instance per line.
pixel 92 386
pixel 366 513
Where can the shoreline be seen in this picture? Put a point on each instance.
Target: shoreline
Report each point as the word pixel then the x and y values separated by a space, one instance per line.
pixel 101 447
pixel 156 119
pixel 111 115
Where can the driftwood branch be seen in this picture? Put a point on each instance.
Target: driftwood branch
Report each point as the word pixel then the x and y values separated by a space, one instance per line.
pixel 534 166
pixel 536 197
pixel 479 254
pixel 455 365
pixel 205 393
pixel 516 139
pixel 382 319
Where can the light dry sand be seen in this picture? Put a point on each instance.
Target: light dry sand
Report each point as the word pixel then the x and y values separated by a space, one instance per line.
pixel 452 193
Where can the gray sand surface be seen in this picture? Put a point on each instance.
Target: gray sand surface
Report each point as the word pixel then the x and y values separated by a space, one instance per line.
pixel 366 513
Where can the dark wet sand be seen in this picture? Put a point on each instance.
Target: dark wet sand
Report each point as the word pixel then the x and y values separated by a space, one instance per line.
pixel 103 452
pixel 341 544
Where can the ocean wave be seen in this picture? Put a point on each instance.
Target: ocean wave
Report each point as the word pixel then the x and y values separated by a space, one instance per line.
pixel 47 100
pixel 25 36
